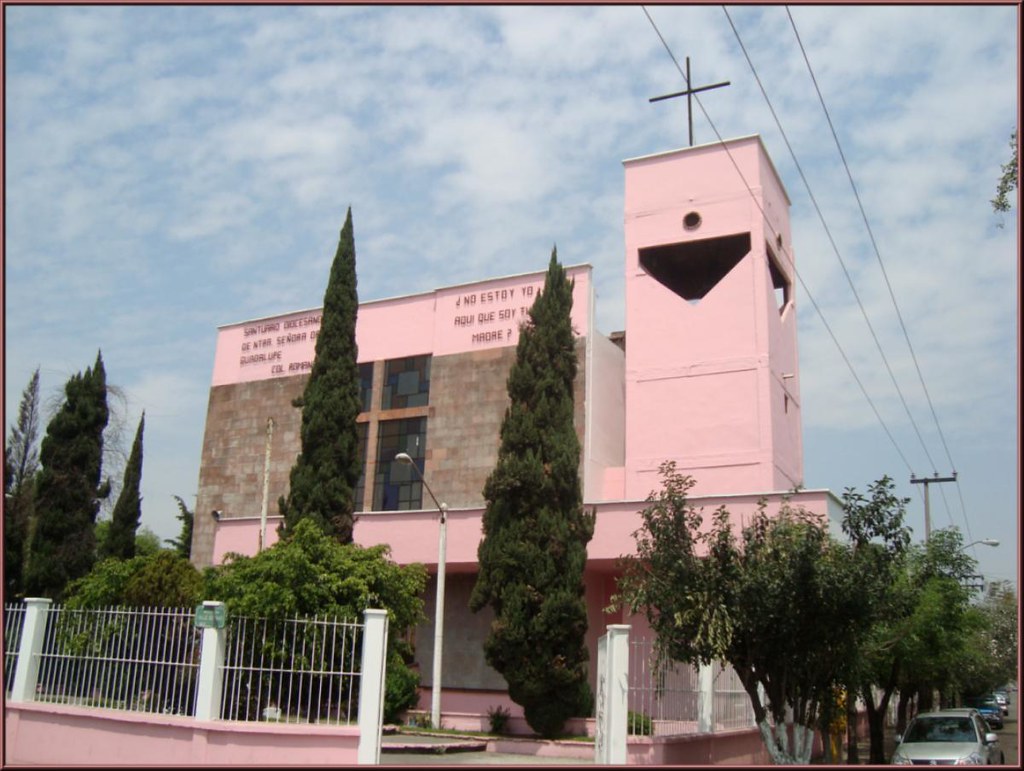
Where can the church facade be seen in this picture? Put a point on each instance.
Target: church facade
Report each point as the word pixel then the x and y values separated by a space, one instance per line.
pixel 706 374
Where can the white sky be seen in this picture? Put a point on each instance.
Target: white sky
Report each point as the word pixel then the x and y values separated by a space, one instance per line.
pixel 173 169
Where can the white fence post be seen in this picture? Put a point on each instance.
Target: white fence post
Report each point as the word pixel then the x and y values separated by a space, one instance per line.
pixel 601 702
pixel 211 669
pixel 706 698
pixel 612 696
pixel 33 630
pixel 371 686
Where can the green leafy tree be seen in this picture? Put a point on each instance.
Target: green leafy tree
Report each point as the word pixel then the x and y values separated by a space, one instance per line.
pixel 162 579
pixel 147 543
pixel 946 570
pixel 987 655
pixel 1009 179
pixel 183 543
pixel 919 642
pixel 534 545
pixel 880 540
pixel 782 605
pixel 159 580
pixel 311 574
pixel 21 462
pixel 68 486
pixel 325 474
pixel 1000 611
pixel 120 541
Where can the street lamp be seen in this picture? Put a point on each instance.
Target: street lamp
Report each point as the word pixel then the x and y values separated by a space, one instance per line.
pixel 435 688
pixel 983 542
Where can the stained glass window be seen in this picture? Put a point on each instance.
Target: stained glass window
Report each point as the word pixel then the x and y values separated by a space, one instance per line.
pixel 406 382
pixel 362 431
pixel 366 385
pixel 396 485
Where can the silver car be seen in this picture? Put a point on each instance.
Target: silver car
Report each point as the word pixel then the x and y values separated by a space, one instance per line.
pixel 1003 701
pixel 951 737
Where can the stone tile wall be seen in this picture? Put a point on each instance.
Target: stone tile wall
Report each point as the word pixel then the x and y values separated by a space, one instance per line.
pixel 468 399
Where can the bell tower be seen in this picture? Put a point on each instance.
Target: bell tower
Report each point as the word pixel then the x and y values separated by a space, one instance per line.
pixel 712 375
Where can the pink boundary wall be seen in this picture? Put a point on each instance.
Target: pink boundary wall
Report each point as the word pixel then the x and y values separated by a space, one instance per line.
pixel 49 734
pixel 728 748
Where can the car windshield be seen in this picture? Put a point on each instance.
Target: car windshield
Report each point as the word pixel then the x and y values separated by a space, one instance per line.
pixel 942 729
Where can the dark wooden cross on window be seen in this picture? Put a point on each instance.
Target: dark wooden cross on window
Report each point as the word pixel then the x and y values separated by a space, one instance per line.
pixel 688 93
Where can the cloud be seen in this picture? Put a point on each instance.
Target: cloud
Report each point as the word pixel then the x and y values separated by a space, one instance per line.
pixel 170 169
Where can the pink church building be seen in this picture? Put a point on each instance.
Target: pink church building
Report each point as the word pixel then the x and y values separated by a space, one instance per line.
pixel 706 374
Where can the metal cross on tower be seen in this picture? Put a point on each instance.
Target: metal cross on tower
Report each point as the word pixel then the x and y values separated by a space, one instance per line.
pixel 688 93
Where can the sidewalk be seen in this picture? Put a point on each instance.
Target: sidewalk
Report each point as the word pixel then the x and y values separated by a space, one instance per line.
pixel 406 749
pixel 430 744
pixel 864 751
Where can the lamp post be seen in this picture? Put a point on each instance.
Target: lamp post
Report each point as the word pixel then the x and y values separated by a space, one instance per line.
pixel 435 688
pixel 983 542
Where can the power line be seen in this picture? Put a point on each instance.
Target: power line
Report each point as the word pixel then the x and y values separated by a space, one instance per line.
pixel 828 233
pixel 784 250
pixel 881 264
pixel 871 236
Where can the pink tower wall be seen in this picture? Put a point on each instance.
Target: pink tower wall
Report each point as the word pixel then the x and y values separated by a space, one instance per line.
pixel 704 380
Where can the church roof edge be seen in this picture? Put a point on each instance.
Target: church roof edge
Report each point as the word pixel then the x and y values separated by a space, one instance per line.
pixel 734 140
pixel 393 298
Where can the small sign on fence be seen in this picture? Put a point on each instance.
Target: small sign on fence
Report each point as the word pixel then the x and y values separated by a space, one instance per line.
pixel 214 615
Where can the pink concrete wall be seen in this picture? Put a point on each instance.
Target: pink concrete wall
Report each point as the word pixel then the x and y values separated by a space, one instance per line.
pixel 786 428
pixel 728 748
pixel 616 521
pixel 241 535
pixel 605 441
pixel 613 484
pixel 52 735
pixel 699 374
pixel 470 317
pixel 413 535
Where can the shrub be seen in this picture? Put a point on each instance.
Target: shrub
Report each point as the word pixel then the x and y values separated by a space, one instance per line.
pixel 401 686
pixel 639 724
pixel 161 580
pixel 310 574
pixel 498 717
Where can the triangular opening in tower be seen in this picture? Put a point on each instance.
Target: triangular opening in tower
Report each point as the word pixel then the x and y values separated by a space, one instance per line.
pixel 691 269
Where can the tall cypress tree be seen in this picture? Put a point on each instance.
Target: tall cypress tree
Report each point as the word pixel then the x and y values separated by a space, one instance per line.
pixel 535 539
pixel 21 462
pixel 68 489
pixel 120 542
pixel 182 545
pixel 325 474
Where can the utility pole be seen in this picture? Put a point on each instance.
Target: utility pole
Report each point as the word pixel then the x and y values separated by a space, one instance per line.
pixel 266 486
pixel 977 583
pixel 927 512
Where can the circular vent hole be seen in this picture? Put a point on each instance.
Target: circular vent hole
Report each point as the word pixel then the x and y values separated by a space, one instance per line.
pixel 691 221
